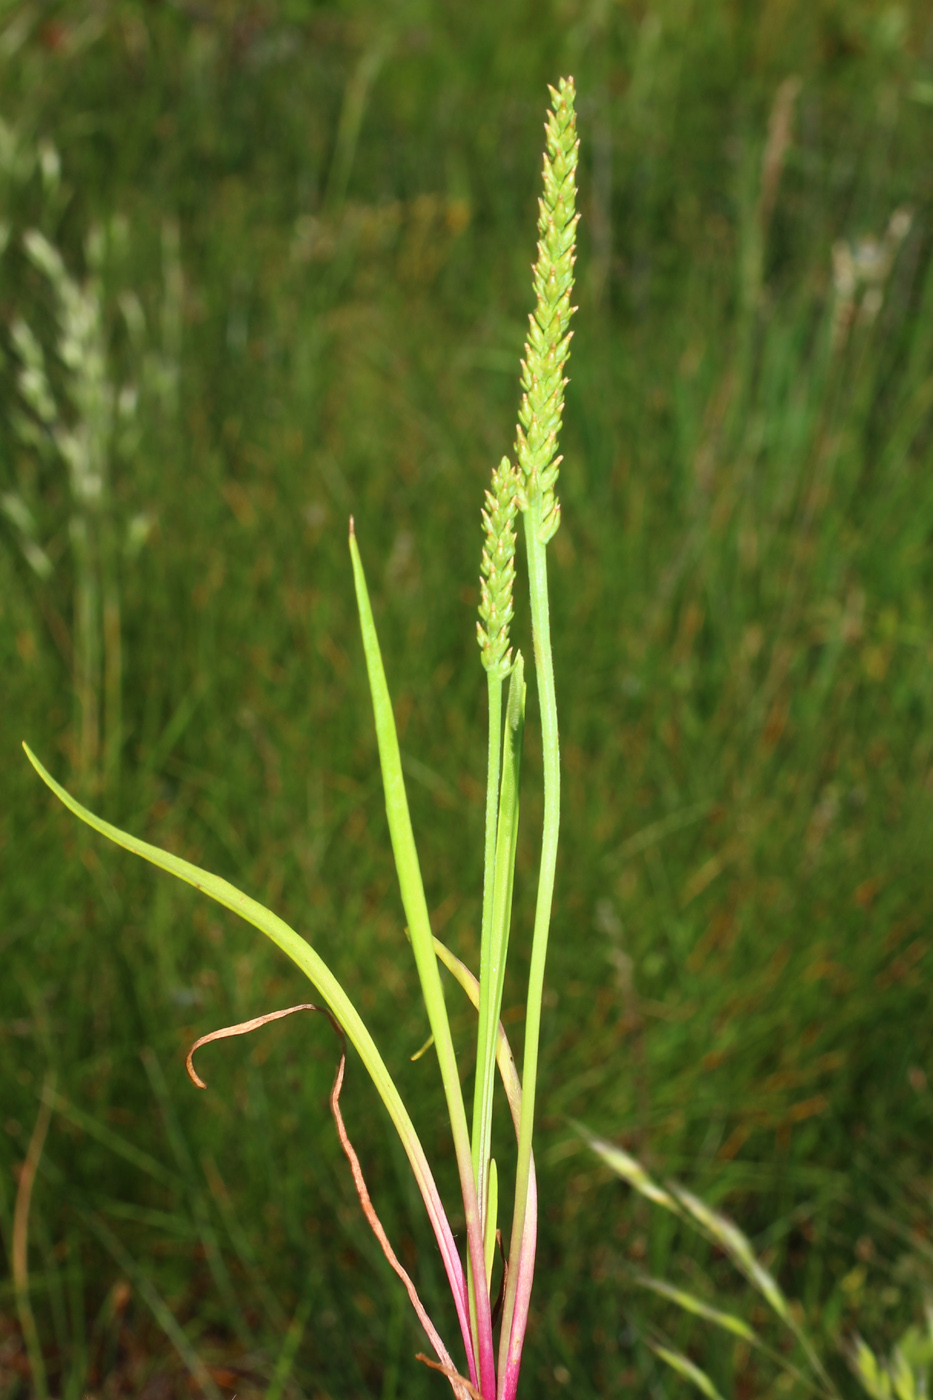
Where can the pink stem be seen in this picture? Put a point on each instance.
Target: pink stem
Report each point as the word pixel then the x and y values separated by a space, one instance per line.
pixel 508 1374
pixel 510 1358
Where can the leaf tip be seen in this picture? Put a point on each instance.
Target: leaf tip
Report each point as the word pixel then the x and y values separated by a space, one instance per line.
pixel 32 758
pixel 192 1072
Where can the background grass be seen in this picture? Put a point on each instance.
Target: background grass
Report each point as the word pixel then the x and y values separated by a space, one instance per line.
pixel 741 619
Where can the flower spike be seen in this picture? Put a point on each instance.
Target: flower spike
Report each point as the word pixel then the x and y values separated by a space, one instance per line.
pixel 498 569
pixel 548 344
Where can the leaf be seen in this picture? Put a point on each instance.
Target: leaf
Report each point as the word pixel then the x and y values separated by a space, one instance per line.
pixel 422 942
pixel 870 1372
pixel 686 1368
pixel 369 1210
pixel 738 1247
pixel 630 1170
pixel 716 1227
pixel 320 975
pixel 692 1304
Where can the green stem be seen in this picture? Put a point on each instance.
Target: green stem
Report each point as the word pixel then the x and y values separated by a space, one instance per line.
pixel 544 670
pixel 494 684
pixel 496 935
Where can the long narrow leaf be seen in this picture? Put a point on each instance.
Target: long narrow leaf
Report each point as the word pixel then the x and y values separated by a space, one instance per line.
pixel 686 1368
pixel 695 1305
pixel 738 1246
pixel 721 1231
pixel 739 1249
pixel 730 1323
pixel 419 924
pixel 630 1170
pixel 320 975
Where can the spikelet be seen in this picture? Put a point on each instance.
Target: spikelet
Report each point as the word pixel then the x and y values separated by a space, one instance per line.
pixel 548 342
pixel 497 570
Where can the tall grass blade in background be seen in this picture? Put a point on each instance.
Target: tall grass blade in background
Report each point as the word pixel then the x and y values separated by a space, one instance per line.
pixel 904 1376
pixel 529 488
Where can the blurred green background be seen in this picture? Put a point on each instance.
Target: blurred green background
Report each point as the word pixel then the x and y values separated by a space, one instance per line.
pixel 295 244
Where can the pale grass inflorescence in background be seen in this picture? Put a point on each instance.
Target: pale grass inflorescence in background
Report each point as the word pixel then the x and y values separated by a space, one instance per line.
pixel 526 488
pixel 79 414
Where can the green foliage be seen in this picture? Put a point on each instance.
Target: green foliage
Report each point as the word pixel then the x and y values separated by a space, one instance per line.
pixel 723 1232
pixel 741 627
pixel 905 1375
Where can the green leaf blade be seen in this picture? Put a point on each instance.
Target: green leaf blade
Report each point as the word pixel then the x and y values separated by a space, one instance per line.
pixel 422 941
pixel 320 975
pixel 686 1368
pixel 690 1303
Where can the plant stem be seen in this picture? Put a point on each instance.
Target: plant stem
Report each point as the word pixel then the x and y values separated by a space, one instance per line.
pixel 496 936
pixel 494 686
pixel 489 861
pixel 492 793
pixel 513 1323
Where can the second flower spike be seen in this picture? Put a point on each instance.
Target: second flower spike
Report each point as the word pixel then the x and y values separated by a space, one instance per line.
pixel 497 569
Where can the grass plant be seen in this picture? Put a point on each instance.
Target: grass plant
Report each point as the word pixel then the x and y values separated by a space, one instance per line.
pixel 905 1374
pixel 737 974
pixel 528 488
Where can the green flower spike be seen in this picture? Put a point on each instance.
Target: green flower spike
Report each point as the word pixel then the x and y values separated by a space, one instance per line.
pixel 548 344
pixel 498 570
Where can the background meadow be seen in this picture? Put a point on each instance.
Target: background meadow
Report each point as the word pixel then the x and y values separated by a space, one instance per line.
pixel 294 245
